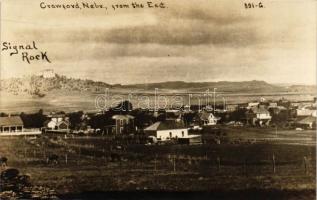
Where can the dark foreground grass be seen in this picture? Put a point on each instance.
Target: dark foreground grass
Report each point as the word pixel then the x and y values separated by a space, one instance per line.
pixel 245 171
pixel 199 195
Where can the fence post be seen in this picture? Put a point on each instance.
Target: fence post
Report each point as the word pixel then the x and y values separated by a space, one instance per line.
pixel 245 167
pixel 273 163
pixel 174 163
pixel 218 163
pixel 79 157
pixel 155 163
pixel 305 164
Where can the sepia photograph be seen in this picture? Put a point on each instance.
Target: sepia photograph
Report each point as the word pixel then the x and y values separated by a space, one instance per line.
pixel 158 99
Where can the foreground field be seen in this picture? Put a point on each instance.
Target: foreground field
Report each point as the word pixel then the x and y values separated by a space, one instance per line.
pixel 87 164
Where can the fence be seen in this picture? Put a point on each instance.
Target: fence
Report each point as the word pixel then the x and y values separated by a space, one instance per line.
pixel 35 152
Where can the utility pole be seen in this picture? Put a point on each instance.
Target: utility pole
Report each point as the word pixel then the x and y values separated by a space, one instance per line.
pixel 224 103
pixel 155 101
pixel 207 100
pixel 214 99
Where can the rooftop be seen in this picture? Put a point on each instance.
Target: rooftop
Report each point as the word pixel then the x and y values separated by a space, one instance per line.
pixel 166 125
pixel 11 121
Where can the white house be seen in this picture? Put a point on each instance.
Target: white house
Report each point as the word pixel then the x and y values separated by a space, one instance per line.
pixel 57 122
pixel 208 119
pixel 167 130
pixel 48 73
pixel 306 111
pixel 258 115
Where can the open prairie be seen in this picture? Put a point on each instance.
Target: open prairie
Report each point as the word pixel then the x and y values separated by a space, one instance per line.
pixel 86 101
pixel 274 165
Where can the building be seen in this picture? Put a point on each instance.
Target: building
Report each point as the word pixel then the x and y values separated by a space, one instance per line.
pixel 123 123
pixel 272 104
pixel 167 130
pixel 173 115
pixel 57 122
pixel 207 118
pixel 231 107
pixel 276 109
pixel 11 124
pixel 47 73
pixel 306 111
pixel 252 105
pixel 258 116
pixel 307 123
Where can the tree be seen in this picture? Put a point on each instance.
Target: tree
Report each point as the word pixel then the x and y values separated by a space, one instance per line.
pixel 123 107
pixel 35 120
pixel 75 119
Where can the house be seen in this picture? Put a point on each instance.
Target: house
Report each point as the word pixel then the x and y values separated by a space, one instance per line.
pixel 285 103
pixel 276 109
pixel 167 130
pixel 186 109
pixel 11 124
pixel 173 115
pixel 272 104
pixel 207 118
pixel 123 123
pixel 308 122
pixel 47 73
pixel 306 111
pixel 258 116
pixel 57 122
pixel 252 105
pixel 231 107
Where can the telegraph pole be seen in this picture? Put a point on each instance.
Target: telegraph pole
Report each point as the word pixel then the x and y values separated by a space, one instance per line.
pixel 214 99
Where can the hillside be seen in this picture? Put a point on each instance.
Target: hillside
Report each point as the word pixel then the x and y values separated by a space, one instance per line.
pixel 40 86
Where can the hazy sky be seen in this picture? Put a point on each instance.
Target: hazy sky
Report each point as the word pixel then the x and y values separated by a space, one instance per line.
pixel 190 40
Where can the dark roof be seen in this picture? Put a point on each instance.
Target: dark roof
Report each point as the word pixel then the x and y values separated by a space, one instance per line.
pixel 259 110
pixel 166 125
pixel 204 115
pixel 11 121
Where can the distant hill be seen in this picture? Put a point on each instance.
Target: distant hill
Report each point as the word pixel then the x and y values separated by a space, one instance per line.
pixel 37 85
pixel 225 86
pixel 40 86
pixel 303 88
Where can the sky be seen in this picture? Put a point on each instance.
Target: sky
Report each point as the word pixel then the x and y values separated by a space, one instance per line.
pixel 192 40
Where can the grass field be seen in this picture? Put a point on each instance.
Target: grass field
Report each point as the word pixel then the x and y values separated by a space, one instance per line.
pixel 75 101
pixel 85 164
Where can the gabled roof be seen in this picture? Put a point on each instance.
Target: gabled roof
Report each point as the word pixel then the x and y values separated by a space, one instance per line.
pixel 205 115
pixel 307 120
pixel 166 125
pixel 259 110
pixel 63 122
pixel 11 121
